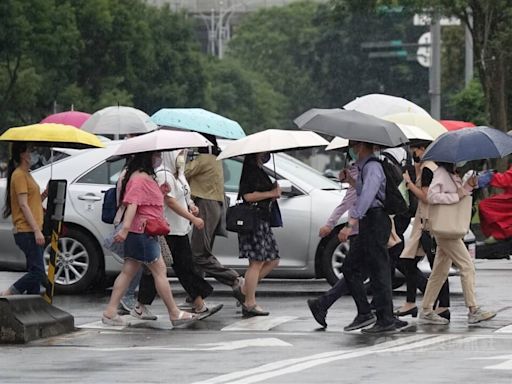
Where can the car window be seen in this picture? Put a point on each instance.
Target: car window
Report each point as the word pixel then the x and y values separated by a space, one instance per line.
pixel 232 173
pixel 105 173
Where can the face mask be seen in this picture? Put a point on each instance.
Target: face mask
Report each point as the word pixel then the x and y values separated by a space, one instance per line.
pixel 416 158
pixel 265 157
pixel 34 159
pixel 180 162
pixel 352 154
pixel 376 154
pixel 460 164
pixel 157 161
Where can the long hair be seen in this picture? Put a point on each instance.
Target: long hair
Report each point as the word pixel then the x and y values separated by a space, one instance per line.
pixel 450 167
pixel 17 148
pixel 215 150
pixel 142 162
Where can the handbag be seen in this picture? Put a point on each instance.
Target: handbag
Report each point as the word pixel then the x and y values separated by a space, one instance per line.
pixel 276 220
pixel 114 246
pixel 157 227
pixel 166 253
pixel 242 218
pixel 451 221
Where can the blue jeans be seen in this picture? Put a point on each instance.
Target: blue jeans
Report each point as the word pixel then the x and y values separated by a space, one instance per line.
pixel 31 281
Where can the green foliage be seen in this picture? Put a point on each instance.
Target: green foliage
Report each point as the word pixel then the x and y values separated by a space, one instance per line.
pixel 469 104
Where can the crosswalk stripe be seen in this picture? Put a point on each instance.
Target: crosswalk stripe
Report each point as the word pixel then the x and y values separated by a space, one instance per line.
pixel 258 323
pixel 507 329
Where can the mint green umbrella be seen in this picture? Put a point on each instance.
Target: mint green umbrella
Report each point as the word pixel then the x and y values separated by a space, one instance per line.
pixel 198 120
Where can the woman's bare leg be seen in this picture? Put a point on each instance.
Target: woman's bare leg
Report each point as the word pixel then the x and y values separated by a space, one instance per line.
pixel 251 282
pixel 130 268
pixel 268 266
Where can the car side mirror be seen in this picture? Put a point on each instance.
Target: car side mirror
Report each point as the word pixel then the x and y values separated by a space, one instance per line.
pixel 286 185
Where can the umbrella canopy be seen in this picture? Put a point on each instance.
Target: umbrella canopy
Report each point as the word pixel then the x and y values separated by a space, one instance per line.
pixel 74 118
pixel 453 125
pixel 161 140
pixel 469 144
pixel 119 121
pixel 198 120
pixel 352 125
pixel 428 124
pixel 272 140
pixel 337 143
pixel 52 135
pixel 380 105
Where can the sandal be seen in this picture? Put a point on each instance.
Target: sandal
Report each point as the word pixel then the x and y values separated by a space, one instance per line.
pixel 114 321
pixel 182 321
pixel 254 310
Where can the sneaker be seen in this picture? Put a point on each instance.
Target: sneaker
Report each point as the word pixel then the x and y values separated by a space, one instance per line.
pixel 361 321
pixel 207 311
pixel 186 306
pixel 142 312
pixel 432 318
pixel 116 321
pixel 480 315
pixel 126 304
pixel 378 329
pixel 318 312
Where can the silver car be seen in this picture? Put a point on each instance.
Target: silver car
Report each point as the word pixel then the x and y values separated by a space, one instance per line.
pixel 83 261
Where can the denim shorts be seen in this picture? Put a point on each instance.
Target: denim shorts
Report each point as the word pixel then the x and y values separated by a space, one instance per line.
pixel 141 247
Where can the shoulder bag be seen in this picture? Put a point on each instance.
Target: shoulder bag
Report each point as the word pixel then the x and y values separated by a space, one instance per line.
pixel 242 218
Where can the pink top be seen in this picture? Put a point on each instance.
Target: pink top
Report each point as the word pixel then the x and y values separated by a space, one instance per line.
pixel 149 199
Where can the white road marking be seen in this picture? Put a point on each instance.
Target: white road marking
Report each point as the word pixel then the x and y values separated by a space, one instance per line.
pixel 283 367
pixel 258 323
pixel 506 365
pixel 507 329
pixel 132 323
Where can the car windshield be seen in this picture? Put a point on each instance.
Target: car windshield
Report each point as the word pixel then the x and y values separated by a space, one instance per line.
pixel 313 177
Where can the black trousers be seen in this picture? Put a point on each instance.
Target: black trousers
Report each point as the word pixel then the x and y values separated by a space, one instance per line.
pixel 374 231
pixel 416 279
pixel 188 275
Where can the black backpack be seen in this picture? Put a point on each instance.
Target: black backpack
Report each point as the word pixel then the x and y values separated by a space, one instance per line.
pixel 109 207
pixel 394 203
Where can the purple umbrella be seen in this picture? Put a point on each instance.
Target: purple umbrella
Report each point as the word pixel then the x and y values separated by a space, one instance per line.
pixel 74 118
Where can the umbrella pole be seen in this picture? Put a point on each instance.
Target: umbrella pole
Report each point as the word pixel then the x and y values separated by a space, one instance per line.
pixel 274 163
pixel 51 163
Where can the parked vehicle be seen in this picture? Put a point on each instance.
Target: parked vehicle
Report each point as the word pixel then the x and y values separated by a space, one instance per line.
pixel 83 261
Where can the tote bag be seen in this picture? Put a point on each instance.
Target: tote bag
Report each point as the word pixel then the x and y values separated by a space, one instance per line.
pixel 451 221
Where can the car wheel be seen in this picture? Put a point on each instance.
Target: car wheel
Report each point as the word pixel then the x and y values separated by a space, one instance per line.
pixel 333 258
pixel 77 262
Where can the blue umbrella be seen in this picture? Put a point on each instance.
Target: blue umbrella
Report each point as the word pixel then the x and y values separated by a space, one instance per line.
pixel 469 144
pixel 198 120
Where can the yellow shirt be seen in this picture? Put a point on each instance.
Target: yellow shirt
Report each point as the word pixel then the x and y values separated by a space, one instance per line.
pixel 23 182
pixel 206 177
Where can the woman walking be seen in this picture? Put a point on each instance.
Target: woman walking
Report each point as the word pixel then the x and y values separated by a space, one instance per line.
pixel 260 246
pixel 420 241
pixel 143 199
pixel 446 189
pixel 23 200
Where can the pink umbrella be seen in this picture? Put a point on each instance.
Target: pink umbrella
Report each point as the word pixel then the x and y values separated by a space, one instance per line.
pixel 453 125
pixel 74 118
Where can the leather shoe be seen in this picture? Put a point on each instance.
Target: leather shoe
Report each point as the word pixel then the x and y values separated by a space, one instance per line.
pixel 361 321
pixel 378 329
pixel 445 314
pixel 253 311
pixel 318 312
pixel 413 312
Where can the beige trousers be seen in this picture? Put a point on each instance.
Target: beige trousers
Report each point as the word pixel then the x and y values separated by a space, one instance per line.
pixel 448 252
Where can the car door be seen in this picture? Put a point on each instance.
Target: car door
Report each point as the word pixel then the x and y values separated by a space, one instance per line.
pixel 292 239
pixel 86 195
pixel 10 255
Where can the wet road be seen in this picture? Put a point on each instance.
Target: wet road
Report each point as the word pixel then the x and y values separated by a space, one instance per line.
pixel 286 347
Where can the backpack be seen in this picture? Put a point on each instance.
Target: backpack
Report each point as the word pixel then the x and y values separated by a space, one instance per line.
pixel 109 207
pixel 394 203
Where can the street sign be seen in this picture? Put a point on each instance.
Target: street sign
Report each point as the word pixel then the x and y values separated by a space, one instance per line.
pixel 388 54
pixel 422 19
pixel 423 53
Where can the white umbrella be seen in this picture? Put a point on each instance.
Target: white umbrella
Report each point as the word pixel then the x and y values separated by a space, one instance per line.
pixel 272 140
pixel 119 121
pixel 162 140
pixel 379 105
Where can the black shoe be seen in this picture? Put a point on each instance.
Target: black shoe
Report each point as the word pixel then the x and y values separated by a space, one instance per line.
pixel 399 324
pixel 378 329
pixel 318 312
pixel 253 311
pixel 445 314
pixel 238 295
pixel 361 321
pixel 413 312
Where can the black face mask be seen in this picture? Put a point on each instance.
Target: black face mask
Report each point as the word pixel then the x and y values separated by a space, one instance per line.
pixel 416 158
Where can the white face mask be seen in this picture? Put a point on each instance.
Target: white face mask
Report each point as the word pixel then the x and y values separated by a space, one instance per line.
pixel 157 161
pixel 180 161
pixel 34 159
pixel 460 164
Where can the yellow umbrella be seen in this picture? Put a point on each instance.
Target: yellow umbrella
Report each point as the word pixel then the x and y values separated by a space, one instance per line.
pixel 52 135
pixel 428 124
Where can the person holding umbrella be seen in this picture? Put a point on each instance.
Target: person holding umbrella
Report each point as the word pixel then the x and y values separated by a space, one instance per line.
pixel 143 199
pixel 259 246
pixel 23 200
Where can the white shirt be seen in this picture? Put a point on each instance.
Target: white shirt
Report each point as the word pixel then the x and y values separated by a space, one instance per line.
pixel 180 191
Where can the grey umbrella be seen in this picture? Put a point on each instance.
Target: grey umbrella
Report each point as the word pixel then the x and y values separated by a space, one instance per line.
pixel 352 125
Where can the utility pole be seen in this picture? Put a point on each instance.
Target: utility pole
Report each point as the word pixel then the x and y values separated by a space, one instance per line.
pixel 468 68
pixel 435 68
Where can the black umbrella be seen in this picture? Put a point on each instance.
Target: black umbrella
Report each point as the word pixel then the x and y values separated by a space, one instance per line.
pixel 352 125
